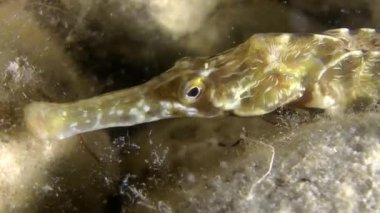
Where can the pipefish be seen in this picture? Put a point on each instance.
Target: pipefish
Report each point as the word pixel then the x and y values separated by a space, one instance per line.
pixel 332 70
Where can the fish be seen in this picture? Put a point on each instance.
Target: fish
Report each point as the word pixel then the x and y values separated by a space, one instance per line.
pixel 333 71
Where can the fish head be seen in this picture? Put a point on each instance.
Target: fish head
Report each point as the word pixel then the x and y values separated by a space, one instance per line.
pixel 183 91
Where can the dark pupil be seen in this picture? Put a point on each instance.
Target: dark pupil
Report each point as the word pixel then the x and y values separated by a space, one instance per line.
pixel 193 92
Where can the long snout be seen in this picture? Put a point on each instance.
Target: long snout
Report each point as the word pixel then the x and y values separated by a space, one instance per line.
pixel 122 108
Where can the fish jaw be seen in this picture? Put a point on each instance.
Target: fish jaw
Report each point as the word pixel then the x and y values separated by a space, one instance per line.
pixel 126 107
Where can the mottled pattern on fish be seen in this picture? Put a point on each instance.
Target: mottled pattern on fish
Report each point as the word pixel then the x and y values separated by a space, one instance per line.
pixel 334 70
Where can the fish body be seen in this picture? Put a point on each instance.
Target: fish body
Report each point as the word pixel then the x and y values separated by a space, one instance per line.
pixel 334 70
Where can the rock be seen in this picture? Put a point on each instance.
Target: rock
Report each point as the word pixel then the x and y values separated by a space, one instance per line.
pixel 132 41
pixel 40 175
pixel 327 165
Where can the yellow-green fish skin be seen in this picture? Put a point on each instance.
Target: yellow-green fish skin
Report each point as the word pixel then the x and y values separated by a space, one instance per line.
pixel 332 70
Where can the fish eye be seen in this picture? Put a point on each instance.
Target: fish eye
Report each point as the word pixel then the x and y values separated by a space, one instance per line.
pixel 193 90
